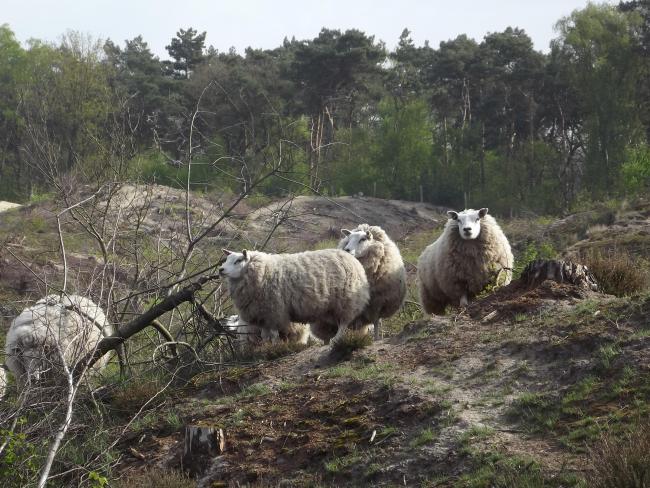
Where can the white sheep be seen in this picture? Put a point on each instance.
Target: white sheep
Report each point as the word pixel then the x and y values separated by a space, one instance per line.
pixel 53 330
pixel 253 334
pixel 327 289
pixel 385 270
pixel 471 253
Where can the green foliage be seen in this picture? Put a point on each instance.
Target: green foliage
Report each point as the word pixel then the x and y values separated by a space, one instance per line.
pixel 636 169
pixel 468 123
pixel 426 436
pixel 495 470
pixel 19 463
pixel 402 150
pixel 532 252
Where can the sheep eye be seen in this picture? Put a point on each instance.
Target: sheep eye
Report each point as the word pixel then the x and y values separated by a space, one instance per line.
pixel 362 239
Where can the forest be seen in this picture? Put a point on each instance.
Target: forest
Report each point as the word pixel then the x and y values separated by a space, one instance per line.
pixel 466 123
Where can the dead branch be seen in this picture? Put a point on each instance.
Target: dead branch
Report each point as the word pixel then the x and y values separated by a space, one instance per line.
pixel 140 323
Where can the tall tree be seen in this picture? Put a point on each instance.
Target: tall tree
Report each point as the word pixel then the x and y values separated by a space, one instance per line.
pixel 598 45
pixel 335 74
pixel 137 76
pixel 13 64
pixel 186 49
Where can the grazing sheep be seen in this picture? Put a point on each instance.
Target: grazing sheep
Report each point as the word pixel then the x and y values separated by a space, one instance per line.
pixel 385 270
pixel 51 329
pixel 471 253
pixel 326 289
pixel 255 335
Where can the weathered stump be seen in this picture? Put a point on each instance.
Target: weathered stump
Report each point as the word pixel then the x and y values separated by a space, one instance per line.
pixel 201 445
pixel 560 271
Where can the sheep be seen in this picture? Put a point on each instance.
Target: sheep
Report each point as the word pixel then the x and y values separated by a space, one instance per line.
pixel 253 334
pixel 385 270
pixel 471 253
pixel 327 289
pixel 53 328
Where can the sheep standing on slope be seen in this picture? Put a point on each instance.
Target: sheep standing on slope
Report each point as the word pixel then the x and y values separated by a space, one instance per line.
pixel 53 330
pixel 385 270
pixel 471 253
pixel 326 289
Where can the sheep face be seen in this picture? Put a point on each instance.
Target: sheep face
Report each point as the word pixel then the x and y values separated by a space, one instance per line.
pixel 235 264
pixel 32 355
pixel 357 242
pixel 469 222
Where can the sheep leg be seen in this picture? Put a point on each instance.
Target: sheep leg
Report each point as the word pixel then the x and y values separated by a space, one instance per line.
pixel 377 329
pixel 122 359
pixel 464 301
pixel 340 333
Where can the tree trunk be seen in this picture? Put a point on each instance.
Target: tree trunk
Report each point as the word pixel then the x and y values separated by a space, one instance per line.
pixel 201 445
pixel 560 271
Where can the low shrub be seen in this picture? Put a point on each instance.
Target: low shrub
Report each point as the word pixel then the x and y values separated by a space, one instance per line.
pixel 617 272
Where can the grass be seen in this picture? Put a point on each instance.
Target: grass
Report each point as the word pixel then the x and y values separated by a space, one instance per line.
pixel 476 433
pixel 155 478
pixel 426 436
pixel 364 371
pixel 495 470
pixel 621 461
pixel 617 272
pixel 250 391
pixel 606 356
pixel 578 416
pixel 412 245
pixel 352 341
pixel 269 351
pixel 338 464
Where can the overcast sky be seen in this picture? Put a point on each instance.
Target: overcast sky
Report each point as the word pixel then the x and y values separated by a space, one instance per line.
pixel 264 24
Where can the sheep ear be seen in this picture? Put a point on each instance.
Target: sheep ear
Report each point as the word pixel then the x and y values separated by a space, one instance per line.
pixel 346 232
pixel 483 212
pixel 227 252
pixel 245 253
pixel 453 215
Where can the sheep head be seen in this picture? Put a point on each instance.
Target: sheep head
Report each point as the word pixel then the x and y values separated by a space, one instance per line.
pixel 356 242
pixel 235 264
pixel 469 222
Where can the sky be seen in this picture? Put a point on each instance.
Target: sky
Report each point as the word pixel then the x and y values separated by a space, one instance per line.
pixel 264 24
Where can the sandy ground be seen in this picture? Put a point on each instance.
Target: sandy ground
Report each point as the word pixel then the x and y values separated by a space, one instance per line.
pixel 7 205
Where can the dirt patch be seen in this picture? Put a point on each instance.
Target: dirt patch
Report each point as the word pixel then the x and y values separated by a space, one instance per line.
pixel 516 298
pixel 435 400
pixel 4 206
pixel 314 219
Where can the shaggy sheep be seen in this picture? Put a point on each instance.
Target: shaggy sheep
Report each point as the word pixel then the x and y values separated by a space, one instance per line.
pixel 471 253
pixel 253 334
pixel 52 329
pixel 385 270
pixel 326 289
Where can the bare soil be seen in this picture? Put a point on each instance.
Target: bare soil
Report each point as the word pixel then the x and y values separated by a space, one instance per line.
pixel 415 409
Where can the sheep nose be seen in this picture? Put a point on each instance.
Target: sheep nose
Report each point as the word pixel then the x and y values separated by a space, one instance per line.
pixel 467 229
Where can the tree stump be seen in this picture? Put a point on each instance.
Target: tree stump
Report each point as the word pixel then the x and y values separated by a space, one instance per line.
pixel 201 445
pixel 560 271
